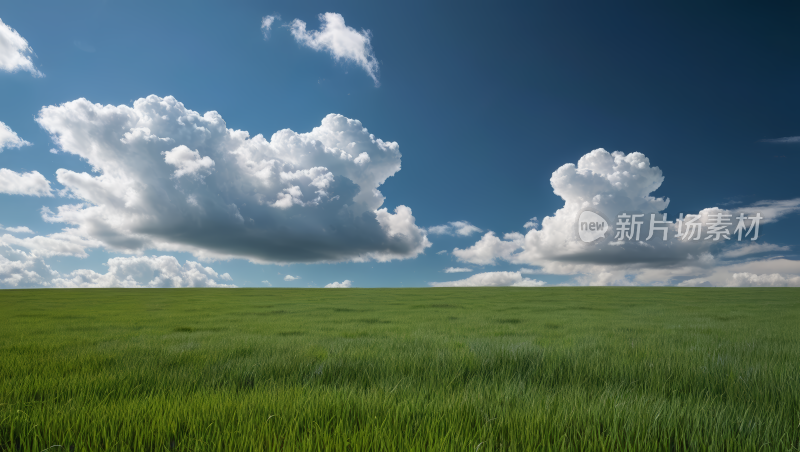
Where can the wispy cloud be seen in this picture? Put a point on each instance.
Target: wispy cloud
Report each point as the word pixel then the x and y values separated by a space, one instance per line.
pixel 784 140
pixel 9 138
pixel 290 278
pixel 341 41
pixel 266 24
pixel 462 228
pixel 457 270
pixel 20 230
pixel 753 248
pixel 15 53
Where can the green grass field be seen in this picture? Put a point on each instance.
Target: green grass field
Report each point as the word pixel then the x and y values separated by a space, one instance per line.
pixel 400 369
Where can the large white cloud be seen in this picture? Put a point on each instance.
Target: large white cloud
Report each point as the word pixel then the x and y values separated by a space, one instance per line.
pixel 342 42
pixel 9 138
pixel 15 53
pixel 171 179
pixel 31 184
pixel 492 279
pixel 610 184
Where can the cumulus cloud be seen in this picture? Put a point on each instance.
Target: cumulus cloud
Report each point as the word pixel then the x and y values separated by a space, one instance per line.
pixel 784 140
pixel 31 184
pixel 457 270
pixel 748 280
pixel 171 179
pixel 64 243
pixel 19 230
pixel 461 228
pixel 20 269
pixel 266 24
pixel 143 271
pixel 492 279
pixel 610 184
pixel 533 223
pixel 342 42
pixel 775 272
pixel 188 162
pixel 346 284
pixel 290 278
pixel 490 248
pixel 9 139
pixel 15 53
pixel 771 280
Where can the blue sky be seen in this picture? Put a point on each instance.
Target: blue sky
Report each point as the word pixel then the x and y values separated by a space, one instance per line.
pixel 484 104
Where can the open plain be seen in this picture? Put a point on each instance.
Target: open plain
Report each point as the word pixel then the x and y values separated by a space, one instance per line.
pixel 483 369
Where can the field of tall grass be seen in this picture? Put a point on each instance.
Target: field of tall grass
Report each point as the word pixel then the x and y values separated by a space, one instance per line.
pixel 400 369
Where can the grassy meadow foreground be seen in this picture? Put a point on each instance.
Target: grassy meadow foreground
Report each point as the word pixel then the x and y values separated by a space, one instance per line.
pixel 400 369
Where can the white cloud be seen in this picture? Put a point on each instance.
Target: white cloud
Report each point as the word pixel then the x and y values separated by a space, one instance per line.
pixel 65 243
pixel 752 248
pixel 529 271
pixel 297 197
pixel 188 162
pixel 143 271
pixel 770 210
pixel 266 282
pixel 266 24
pixel 442 252
pixel 457 270
pixel 489 249
pixel 776 272
pixel 346 284
pixel 19 230
pixel 610 184
pixel 19 269
pixel 784 140
pixel 748 280
pixel 9 139
pixel 290 278
pixel 770 280
pixel 462 228
pixel 15 53
pixel 533 223
pixel 31 184
pixel 514 279
pixel 342 42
